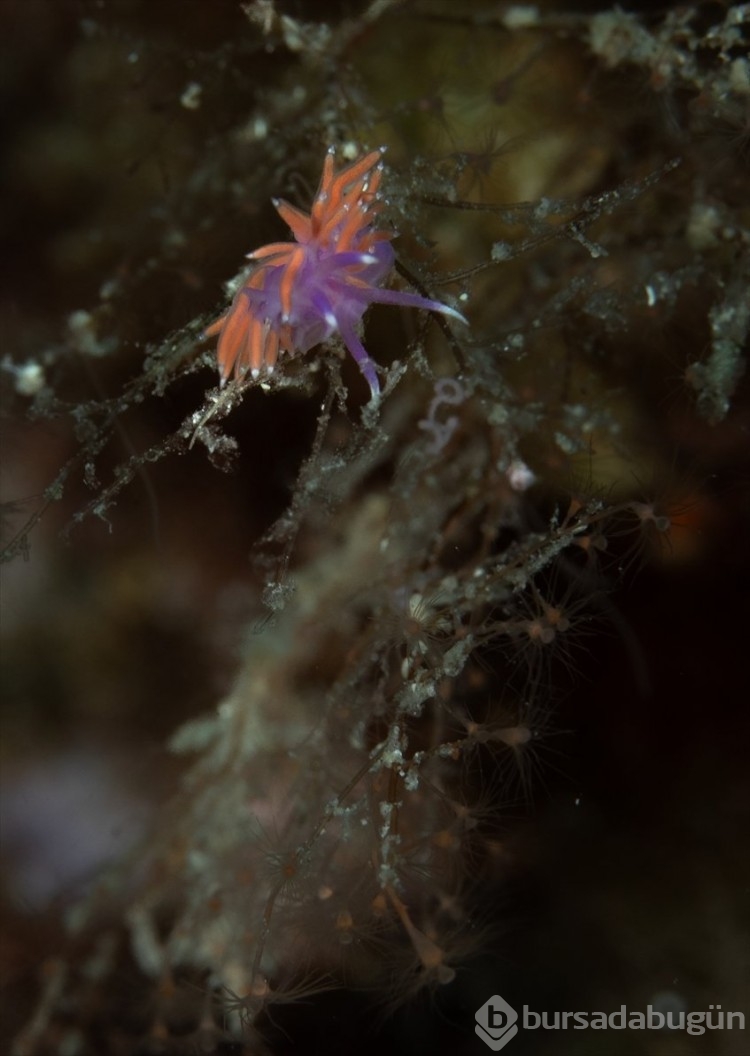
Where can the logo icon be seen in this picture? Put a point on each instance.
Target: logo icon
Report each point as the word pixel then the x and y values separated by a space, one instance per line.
pixel 496 1023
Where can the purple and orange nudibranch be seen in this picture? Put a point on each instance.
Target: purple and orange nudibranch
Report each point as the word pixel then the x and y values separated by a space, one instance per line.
pixel 305 291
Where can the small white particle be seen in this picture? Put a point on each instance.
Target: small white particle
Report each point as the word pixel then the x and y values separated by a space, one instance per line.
pixel 520 16
pixel 191 97
pixel 29 376
pixel 259 128
pixel 520 477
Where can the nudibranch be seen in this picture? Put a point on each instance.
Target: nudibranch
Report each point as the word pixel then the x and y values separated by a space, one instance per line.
pixel 301 293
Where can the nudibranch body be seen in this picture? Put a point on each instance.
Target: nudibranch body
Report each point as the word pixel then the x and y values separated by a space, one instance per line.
pixel 304 292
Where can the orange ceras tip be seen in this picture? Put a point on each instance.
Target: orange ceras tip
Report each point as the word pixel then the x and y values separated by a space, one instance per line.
pixel 303 292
